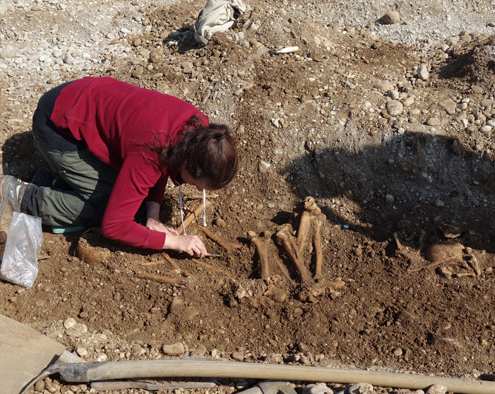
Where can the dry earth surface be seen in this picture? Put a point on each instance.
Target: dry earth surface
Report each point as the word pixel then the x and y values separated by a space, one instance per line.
pixel 388 126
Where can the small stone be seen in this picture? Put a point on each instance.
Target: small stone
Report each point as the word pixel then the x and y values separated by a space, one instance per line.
pixel 219 222
pixel 449 105
pixel 40 385
pixel 101 357
pixel 264 166
pixel 384 86
pixel 69 323
pixel 84 315
pixel 394 107
pixel 423 72
pixel 156 56
pixel 81 351
pixel 238 356
pixel 175 349
pixel 57 53
pixel 439 204
pixel 389 199
pixel 397 352
pixel 391 17
pixel 408 102
pixel 360 388
pixel 486 129
pixel 433 122
pixel 436 389
pixel 68 59
pixel 77 330
pixel 52 386
pixel 319 388
pixel 393 94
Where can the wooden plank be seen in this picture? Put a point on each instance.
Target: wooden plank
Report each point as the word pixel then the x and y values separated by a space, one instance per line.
pixel 24 353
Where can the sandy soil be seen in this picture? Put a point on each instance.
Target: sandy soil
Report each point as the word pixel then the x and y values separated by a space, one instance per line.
pixel 400 163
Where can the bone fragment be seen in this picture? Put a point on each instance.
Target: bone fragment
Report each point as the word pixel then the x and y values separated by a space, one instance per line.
pixel 397 241
pixel 193 215
pixel 285 238
pixel 311 209
pixel 213 268
pixel 317 223
pixel 473 261
pixel 436 263
pixel 175 265
pixel 283 268
pixel 261 249
pixel 224 244
pixel 159 278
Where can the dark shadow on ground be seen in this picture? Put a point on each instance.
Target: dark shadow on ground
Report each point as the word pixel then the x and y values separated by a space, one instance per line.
pixel 19 156
pixel 184 39
pixel 410 183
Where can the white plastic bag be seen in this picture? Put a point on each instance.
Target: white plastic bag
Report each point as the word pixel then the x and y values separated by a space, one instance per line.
pixel 217 16
pixel 20 258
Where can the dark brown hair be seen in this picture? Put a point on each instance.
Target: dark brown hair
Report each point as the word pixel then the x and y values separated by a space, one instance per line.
pixel 207 153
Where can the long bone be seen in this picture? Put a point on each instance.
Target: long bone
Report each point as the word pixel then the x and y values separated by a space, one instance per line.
pixel 317 223
pixel 285 238
pixel 261 249
pixel 311 210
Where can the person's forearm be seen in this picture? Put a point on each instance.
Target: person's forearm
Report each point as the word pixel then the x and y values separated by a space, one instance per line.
pixel 152 210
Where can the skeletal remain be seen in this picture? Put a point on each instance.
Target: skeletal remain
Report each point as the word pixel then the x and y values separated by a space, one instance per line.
pixel 159 278
pixel 286 239
pixel 193 215
pixel 451 253
pixel 473 261
pixel 224 244
pixel 444 250
pixel 175 265
pixel 434 264
pixel 318 222
pixel 397 241
pixel 213 268
pixel 311 210
pixel 261 249
pixel 282 267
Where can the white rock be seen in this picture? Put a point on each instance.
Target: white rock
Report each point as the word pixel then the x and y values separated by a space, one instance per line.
pixel 175 349
pixel 408 101
pixel 384 86
pixel 394 107
pixel 77 330
pixel 360 388
pixel 101 357
pixel 81 351
pixel 264 166
pixel 436 389
pixel 423 72
pixel 69 323
pixel 393 94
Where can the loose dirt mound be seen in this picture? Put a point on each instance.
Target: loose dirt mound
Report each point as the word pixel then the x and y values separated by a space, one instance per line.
pixel 473 63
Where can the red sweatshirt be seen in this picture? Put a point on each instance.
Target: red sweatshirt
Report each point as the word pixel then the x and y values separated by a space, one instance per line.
pixel 114 119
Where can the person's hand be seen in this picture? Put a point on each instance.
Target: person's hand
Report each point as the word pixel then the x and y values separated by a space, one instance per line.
pixel 159 226
pixel 190 244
